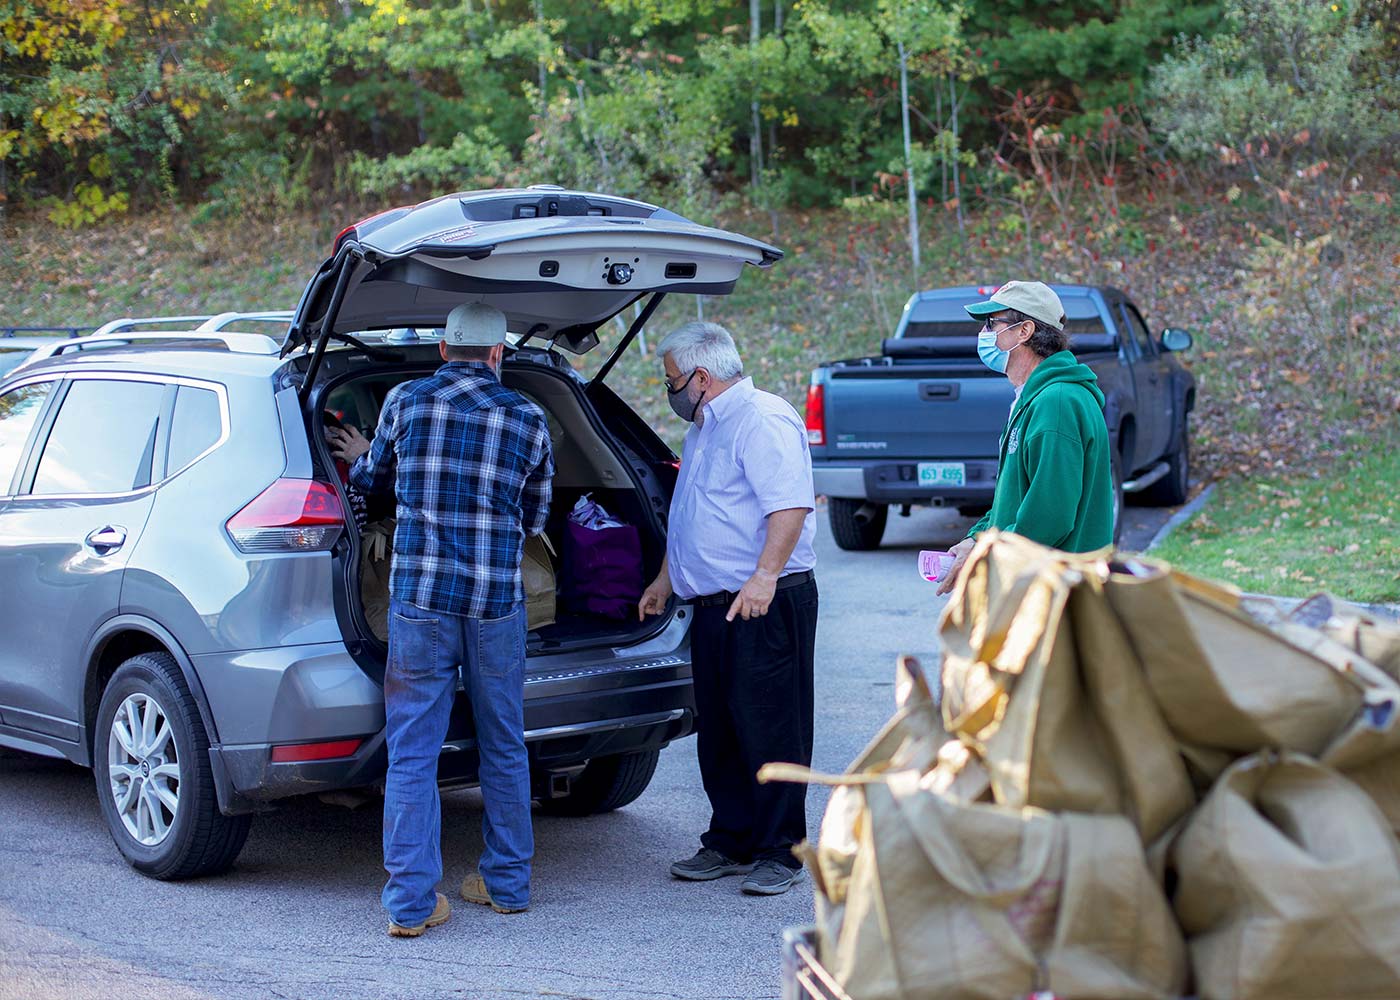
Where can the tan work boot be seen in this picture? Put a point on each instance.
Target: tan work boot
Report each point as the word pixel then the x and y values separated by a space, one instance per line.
pixel 440 913
pixel 474 891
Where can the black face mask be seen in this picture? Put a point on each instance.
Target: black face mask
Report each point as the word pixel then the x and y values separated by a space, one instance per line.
pixel 676 407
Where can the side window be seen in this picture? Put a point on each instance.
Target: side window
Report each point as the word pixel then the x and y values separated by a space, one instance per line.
pixel 103 440
pixel 19 408
pixel 196 425
pixel 1137 329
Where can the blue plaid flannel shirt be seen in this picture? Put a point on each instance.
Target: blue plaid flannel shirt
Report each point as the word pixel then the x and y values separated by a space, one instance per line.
pixel 469 461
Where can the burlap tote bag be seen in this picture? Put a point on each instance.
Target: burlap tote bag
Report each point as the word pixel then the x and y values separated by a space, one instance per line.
pixel 1368 750
pixel 951 900
pixel 538 579
pixel 1039 678
pixel 1374 638
pixel 913 739
pixel 1226 682
pixel 1289 886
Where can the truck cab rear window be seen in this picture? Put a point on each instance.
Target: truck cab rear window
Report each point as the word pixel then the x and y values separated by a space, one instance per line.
pixel 947 318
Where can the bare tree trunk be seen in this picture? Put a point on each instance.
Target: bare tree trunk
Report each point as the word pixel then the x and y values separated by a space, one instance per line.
pixel 909 161
pixel 544 100
pixel 755 136
pixel 942 153
pixel 957 149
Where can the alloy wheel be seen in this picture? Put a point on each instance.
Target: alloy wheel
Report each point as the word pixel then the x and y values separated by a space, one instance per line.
pixel 144 768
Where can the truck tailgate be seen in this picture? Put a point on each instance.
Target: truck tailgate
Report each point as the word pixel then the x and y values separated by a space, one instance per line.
pixel 915 412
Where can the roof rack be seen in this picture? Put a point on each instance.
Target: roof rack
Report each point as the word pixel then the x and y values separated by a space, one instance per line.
pixel 146 322
pixel 214 324
pixel 239 343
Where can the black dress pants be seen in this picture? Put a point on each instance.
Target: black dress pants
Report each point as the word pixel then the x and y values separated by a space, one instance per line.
pixel 753 696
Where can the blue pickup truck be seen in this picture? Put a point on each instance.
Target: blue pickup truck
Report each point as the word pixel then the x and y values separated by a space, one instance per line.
pixel 922 423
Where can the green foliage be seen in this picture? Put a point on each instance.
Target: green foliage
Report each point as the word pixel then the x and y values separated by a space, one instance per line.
pixel 1286 81
pixel 1087 54
pixel 471 161
pixel 101 99
pixel 263 105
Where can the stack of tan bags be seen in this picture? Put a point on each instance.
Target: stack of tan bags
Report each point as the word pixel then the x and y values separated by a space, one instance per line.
pixel 1138 785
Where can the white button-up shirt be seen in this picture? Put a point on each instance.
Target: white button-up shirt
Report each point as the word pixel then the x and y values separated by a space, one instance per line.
pixel 747 459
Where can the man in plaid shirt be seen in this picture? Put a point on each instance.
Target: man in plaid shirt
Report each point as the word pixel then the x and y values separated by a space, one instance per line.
pixel 470 464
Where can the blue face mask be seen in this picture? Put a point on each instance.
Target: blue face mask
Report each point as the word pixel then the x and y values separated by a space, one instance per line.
pixel 992 356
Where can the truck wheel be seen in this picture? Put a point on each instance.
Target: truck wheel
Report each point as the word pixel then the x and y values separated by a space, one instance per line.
pixel 1115 472
pixel 154 781
pixel 1171 489
pixel 849 531
pixel 607 783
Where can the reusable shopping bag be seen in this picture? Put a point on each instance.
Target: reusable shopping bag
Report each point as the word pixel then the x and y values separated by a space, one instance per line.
pixel 910 740
pixel 1224 679
pixel 951 900
pixel 376 559
pixel 1040 680
pixel 537 576
pixel 602 565
pixel 1289 886
pixel 1375 638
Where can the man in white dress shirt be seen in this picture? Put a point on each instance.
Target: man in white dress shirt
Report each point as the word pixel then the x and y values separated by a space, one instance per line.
pixel 740 550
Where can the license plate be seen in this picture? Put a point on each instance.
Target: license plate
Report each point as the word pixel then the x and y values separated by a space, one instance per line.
pixel 942 474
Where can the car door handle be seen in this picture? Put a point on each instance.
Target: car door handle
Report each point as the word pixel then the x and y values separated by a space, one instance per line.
pixel 106 540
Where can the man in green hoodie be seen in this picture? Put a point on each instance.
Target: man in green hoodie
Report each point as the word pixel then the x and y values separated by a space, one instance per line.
pixel 1054 478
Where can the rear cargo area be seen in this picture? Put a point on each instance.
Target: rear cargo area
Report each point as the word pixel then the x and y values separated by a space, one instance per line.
pixel 587 463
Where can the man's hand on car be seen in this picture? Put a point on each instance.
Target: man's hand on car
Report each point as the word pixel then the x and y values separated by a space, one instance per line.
pixel 347 443
pixel 654 598
pixel 959 552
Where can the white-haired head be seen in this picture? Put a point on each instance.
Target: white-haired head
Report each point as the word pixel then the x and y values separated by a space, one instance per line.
pixel 703 345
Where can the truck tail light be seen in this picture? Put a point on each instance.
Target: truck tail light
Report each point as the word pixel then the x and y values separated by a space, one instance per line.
pixel 816 414
pixel 291 515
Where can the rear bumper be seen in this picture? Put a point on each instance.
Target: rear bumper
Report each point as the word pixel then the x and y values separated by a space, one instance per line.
pixel 896 481
pixel 634 699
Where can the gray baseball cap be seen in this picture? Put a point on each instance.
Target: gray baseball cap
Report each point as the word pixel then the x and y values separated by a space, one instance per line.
pixel 474 324
pixel 1035 299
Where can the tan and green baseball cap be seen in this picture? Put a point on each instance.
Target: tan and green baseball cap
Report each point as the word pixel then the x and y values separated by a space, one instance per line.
pixel 1035 299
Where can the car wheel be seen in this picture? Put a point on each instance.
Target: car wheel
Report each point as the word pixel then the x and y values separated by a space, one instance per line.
pixel 154 781
pixel 607 783
pixel 856 534
pixel 1171 489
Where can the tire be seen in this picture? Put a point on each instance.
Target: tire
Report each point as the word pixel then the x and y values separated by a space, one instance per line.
pixel 192 838
pixel 1115 472
pixel 849 533
pixel 607 783
pixel 1171 489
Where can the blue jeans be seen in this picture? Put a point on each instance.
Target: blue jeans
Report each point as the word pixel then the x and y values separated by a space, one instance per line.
pixel 426 652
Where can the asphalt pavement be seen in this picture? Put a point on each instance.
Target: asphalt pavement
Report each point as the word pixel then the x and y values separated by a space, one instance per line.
pixel 299 915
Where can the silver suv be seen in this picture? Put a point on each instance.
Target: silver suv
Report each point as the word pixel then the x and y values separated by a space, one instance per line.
pixel 184 608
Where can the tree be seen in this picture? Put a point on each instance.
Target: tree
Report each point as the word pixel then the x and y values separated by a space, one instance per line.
pixel 101 99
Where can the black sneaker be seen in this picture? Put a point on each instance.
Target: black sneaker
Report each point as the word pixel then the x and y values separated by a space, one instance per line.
pixel 708 864
pixel 770 878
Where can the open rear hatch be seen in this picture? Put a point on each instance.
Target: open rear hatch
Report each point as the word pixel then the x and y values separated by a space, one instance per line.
pixel 558 263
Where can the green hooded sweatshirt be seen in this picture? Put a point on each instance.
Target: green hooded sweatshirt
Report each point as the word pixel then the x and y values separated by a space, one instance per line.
pixel 1054 483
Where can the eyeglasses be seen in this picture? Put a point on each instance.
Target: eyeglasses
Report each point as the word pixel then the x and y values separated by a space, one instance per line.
pixel 672 388
pixel 1004 323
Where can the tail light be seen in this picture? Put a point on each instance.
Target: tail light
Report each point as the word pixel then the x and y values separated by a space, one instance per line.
pixel 292 753
pixel 816 414
pixel 291 515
